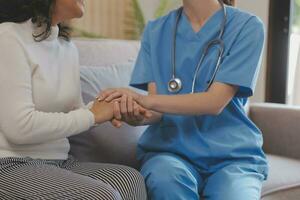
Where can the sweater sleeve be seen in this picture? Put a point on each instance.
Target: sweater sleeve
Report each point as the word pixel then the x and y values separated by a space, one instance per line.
pixel 20 122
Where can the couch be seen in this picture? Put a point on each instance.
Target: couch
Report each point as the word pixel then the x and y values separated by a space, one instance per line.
pixel 280 124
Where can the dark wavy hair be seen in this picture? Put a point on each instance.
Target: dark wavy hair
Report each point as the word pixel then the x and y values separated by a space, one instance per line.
pixel 229 2
pixel 39 11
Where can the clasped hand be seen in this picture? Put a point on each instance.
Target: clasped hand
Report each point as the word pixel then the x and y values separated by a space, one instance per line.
pixel 125 106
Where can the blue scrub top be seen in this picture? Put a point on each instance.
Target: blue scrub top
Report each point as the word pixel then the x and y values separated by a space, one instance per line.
pixel 209 142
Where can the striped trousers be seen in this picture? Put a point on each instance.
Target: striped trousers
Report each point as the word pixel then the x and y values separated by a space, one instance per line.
pixel 31 179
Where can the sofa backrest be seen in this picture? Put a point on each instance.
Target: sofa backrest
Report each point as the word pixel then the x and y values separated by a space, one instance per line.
pixel 106 143
pixel 103 52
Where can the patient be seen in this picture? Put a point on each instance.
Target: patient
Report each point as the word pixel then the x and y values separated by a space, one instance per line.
pixel 41 107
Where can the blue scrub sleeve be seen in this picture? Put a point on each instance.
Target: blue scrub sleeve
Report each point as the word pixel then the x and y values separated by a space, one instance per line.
pixel 142 73
pixel 241 65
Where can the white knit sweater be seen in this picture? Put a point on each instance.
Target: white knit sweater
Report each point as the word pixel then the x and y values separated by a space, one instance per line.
pixel 40 98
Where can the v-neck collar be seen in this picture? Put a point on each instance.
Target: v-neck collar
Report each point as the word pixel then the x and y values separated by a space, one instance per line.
pixel 212 25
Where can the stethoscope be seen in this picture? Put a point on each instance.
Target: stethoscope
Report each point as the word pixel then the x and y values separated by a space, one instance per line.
pixel 175 84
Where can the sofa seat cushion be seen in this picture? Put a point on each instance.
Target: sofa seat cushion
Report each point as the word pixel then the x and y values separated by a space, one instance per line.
pixel 106 144
pixel 284 179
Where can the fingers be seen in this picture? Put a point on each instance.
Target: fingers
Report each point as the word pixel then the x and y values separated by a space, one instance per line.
pixel 104 94
pixel 117 111
pixel 136 110
pixel 148 114
pixel 113 96
pixel 127 109
pixel 124 105
pixel 142 111
pixel 130 106
pixel 110 94
pixel 116 122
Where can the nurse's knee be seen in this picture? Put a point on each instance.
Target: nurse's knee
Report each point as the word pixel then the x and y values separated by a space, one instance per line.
pixel 235 183
pixel 164 172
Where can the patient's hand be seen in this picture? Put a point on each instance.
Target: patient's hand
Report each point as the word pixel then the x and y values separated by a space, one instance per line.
pixel 103 111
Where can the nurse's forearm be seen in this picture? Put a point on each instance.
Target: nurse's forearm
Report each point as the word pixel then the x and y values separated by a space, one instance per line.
pixel 212 102
pixel 191 104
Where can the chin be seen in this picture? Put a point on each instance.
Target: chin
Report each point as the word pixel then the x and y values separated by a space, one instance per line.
pixel 80 8
pixel 80 14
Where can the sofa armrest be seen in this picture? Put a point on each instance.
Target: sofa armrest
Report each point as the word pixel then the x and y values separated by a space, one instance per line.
pixel 280 125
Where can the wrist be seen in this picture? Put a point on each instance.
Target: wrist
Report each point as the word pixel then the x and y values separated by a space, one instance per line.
pixel 99 118
pixel 94 115
pixel 149 102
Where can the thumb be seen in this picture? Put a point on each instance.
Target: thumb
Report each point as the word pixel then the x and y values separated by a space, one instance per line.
pixel 148 114
pixel 142 110
pixel 116 123
pixel 145 112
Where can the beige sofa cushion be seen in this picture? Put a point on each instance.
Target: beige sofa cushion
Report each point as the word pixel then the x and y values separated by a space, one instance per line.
pixel 280 127
pixel 106 52
pixel 284 179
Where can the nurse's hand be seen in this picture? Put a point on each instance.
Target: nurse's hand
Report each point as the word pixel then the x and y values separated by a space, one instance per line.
pixel 117 93
pixel 130 111
pixel 110 94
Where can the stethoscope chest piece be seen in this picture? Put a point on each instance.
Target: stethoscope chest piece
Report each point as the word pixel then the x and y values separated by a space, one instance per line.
pixel 174 85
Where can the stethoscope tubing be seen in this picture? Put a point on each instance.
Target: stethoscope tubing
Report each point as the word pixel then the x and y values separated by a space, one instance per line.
pixel 219 41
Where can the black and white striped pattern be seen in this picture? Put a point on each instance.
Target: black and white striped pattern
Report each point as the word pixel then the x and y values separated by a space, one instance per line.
pixel 30 179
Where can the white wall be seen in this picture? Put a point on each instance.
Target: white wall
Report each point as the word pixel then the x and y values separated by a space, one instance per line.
pixel 261 9
pixel 149 7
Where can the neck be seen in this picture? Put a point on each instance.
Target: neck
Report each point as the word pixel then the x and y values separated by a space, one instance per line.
pixel 198 11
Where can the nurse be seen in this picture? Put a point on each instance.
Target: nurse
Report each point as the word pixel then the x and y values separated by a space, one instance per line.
pixel 200 143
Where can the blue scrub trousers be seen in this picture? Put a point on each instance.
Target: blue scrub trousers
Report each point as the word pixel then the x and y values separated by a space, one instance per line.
pixel 169 177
